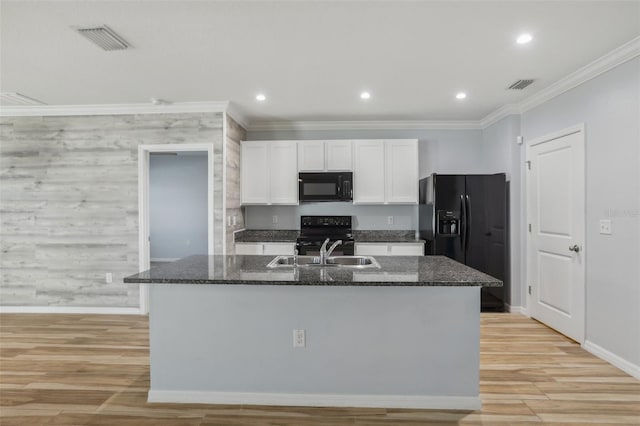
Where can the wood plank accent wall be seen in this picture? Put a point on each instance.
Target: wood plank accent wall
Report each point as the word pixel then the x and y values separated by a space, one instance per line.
pixel 235 134
pixel 69 203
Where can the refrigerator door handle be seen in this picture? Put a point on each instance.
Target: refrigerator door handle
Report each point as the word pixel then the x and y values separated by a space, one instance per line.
pixel 463 223
pixel 468 221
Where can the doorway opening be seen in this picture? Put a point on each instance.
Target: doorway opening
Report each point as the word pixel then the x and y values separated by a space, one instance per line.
pixel 175 196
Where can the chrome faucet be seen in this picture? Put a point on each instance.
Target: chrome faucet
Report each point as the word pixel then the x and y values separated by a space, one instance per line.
pixel 324 253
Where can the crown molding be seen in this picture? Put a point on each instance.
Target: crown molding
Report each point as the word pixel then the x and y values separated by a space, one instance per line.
pixel 612 59
pixel 112 109
pixel 499 114
pixel 366 125
pixel 234 112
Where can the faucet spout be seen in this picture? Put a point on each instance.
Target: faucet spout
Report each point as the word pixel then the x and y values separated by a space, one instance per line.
pixel 324 253
pixel 333 247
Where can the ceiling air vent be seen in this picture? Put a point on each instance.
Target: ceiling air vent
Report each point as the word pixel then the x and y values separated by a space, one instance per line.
pixel 520 84
pixel 12 98
pixel 104 37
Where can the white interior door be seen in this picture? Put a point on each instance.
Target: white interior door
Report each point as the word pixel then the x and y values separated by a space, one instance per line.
pixel 556 213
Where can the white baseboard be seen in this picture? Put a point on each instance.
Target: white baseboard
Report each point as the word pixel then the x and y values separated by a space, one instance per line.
pixel 517 310
pixel 68 310
pixel 611 358
pixel 318 400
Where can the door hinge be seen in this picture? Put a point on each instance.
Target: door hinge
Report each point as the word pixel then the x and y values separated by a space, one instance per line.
pixel 529 227
pixel 528 164
pixel 529 289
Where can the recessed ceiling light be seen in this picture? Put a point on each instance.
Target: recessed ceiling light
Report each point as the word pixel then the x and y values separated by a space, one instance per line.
pixel 260 97
pixel 461 95
pixel 524 38
pixel 365 95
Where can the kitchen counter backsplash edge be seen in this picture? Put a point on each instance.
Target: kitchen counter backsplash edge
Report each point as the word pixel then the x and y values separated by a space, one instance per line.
pixel 290 235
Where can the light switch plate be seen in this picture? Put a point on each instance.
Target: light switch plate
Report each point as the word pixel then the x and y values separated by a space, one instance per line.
pixel 605 226
pixel 275 218
pixel 299 339
pixel 390 220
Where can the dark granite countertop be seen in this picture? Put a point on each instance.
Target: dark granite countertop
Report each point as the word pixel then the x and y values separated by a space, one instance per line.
pixel 290 236
pixel 393 271
pixel 266 236
pixel 379 236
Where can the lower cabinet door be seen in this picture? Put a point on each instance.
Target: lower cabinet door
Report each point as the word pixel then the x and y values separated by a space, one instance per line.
pixel 409 249
pixel 249 248
pixel 278 249
pixel 372 249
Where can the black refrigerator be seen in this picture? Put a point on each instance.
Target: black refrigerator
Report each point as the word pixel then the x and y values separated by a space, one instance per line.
pixel 464 217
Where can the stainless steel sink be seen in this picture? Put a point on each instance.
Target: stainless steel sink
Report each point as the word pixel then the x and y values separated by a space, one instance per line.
pixel 359 262
pixel 290 261
pixel 352 261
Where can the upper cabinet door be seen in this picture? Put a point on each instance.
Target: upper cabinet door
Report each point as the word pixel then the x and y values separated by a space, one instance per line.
pixel 339 156
pixel 283 176
pixel 368 172
pixel 402 171
pixel 254 173
pixel 311 156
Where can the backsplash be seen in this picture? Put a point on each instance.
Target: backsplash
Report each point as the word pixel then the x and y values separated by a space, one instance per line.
pixel 365 217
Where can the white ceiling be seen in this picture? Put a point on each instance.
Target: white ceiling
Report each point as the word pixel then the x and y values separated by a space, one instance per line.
pixel 311 58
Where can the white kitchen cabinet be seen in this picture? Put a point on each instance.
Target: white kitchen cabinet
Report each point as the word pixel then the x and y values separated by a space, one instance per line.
pixel 369 172
pixel 338 156
pixel 389 249
pixel 254 170
pixel 265 248
pixel 324 156
pixel 311 156
pixel 283 173
pixel 401 159
pixel 268 172
pixel 277 249
pixel 385 172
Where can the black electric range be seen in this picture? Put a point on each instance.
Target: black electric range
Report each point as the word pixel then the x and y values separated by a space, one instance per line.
pixel 314 230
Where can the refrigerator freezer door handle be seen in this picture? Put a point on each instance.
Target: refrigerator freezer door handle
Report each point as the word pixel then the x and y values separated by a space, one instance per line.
pixel 468 218
pixel 463 221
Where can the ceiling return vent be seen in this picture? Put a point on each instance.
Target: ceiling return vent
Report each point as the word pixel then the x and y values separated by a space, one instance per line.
pixel 520 84
pixel 13 98
pixel 104 37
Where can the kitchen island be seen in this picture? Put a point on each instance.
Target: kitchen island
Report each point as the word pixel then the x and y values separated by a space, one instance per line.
pixel 404 334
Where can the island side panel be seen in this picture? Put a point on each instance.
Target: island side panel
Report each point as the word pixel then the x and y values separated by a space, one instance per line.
pixel 209 342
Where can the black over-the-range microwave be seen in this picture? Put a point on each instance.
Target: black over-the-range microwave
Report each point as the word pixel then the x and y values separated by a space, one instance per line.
pixel 326 186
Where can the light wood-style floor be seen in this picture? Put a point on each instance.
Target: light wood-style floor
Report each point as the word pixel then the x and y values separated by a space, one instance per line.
pixel 93 370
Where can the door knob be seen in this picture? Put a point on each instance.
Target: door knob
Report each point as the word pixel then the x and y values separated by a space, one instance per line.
pixel 575 248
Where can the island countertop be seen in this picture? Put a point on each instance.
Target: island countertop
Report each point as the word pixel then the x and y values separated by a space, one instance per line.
pixel 252 270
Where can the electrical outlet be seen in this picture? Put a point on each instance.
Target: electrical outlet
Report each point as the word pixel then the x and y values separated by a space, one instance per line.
pixel 605 226
pixel 390 220
pixel 275 218
pixel 234 220
pixel 109 278
pixel 299 339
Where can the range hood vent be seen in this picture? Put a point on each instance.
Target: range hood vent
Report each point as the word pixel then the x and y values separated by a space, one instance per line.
pixel 104 37
pixel 13 98
pixel 520 84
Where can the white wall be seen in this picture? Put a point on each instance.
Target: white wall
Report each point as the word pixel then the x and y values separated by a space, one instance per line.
pixel 501 154
pixel 178 205
pixel 609 106
pixel 441 151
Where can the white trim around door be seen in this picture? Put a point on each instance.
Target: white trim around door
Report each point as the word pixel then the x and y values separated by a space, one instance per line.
pixel 143 204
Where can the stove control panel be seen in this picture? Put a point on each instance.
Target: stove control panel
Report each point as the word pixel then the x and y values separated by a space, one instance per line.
pixel 325 221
